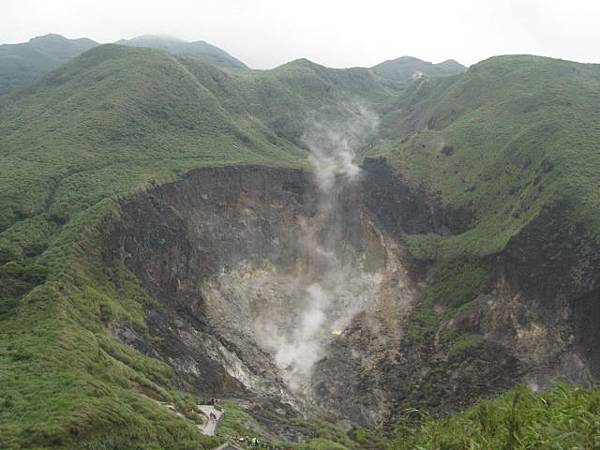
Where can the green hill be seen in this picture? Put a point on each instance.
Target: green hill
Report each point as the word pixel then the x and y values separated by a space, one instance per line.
pixel 198 49
pixel 23 64
pixel 407 68
pixel 511 136
pixel 139 114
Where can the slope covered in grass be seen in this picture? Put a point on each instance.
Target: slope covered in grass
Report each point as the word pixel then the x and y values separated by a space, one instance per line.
pixel 513 145
pixel 512 135
pixel 23 64
pixel 562 417
pixel 113 121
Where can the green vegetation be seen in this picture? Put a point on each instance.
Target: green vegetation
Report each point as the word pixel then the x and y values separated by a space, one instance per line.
pixel 68 383
pixel 454 284
pixel 320 444
pixel 565 416
pixel 562 417
pixel 509 138
pixel 407 68
pixel 464 342
pixel 324 433
pixel 117 120
pixel 236 422
pixel 199 49
pixel 23 64
pixel 114 121
pixel 512 135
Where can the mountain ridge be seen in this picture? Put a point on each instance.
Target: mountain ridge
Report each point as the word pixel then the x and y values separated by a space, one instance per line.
pixel 405 68
pixel 200 49
pixel 23 64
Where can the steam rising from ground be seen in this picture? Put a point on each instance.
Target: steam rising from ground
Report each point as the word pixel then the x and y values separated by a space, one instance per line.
pixel 330 292
pixel 332 145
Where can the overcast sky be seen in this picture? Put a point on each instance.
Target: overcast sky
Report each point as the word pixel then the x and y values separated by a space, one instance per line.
pixel 337 33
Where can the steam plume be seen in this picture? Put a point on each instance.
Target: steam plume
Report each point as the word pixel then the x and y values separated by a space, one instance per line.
pixel 332 293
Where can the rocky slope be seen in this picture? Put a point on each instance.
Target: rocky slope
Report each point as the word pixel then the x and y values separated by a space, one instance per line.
pixel 225 253
pixel 222 251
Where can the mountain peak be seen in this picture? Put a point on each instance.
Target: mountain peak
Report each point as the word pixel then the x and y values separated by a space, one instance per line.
pixel 198 49
pixel 49 37
pixel 406 68
pixel 23 64
pixel 165 38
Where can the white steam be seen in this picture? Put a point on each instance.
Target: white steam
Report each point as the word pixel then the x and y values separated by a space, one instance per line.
pixel 332 144
pixel 331 294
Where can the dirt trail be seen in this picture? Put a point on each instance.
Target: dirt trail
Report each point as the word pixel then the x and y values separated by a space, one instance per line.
pixel 211 425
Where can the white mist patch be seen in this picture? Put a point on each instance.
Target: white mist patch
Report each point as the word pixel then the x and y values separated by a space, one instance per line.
pixel 325 265
pixel 332 144
pixel 291 315
pixel 302 349
pixel 310 310
pixel 333 294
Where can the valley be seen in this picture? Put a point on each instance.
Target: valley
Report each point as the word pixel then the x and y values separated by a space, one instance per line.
pixel 344 258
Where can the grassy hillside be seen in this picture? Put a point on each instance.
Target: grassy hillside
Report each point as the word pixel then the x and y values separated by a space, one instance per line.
pixel 111 122
pixel 562 417
pixel 510 136
pixel 23 64
pixel 289 99
pixel 509 140
pixel 199 49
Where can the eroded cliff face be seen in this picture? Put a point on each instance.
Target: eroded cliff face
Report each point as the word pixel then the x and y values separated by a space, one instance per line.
pixel 265 295
pixel 258 285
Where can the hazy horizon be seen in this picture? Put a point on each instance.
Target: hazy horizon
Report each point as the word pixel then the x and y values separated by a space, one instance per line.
pixel 267 33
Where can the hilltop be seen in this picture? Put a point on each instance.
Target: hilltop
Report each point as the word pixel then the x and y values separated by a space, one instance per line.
pixel 23 64
pixel 407 68
pixel 199 49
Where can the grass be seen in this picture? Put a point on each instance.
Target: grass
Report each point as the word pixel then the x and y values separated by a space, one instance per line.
pixel 464 342
pixel 522 135
pixel 236 422
pixel 23 64
pixel 454 284
pixel 320 444
pixel 564 417
pixel 512 137
pixel 326 433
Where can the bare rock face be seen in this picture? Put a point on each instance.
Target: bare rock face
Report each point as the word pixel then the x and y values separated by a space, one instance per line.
pixel 259 283
pixel 300 304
